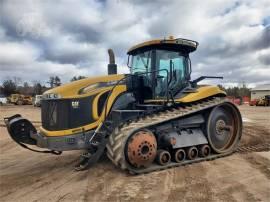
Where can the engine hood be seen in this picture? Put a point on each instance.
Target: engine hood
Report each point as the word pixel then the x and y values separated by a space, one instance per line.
pixel 83 87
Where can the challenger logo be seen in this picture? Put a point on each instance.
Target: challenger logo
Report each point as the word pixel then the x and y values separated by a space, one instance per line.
pixel 75 104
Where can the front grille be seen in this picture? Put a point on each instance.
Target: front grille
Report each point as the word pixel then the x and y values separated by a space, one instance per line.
pixel 54 114
pixel 64 114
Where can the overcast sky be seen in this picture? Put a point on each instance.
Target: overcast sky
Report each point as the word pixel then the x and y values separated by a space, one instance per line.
pixel 39 39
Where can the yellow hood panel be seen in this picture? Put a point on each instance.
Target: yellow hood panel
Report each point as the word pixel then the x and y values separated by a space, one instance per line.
pixel 202 92
pixel 70 90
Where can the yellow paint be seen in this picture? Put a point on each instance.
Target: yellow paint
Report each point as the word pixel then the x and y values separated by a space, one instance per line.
pixel 170 40
pixel 201 93
pixel 70 90
pixel 95 106
pixel 116 92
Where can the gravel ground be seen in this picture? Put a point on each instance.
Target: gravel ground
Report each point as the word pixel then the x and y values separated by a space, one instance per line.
pixel 29 176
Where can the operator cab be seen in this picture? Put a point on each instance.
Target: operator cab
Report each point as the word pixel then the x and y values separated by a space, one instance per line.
pixel 163 66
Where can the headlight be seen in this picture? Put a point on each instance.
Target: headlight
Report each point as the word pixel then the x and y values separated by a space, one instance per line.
pixel 51 96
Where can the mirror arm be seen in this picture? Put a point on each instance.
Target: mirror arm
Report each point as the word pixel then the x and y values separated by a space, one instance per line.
pixel 194 82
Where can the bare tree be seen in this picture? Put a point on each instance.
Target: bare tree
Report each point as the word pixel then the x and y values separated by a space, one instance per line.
pixel 74 78
pixel 57 81
pixel 54 81
pixel 51 81
pixel 9 87
pixel 17 80
pixel 37 89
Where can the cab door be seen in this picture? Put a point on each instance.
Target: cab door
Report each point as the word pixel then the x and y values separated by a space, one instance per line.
pixel 171 71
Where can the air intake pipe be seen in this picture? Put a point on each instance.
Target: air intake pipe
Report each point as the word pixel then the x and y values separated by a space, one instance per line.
pixel 112 67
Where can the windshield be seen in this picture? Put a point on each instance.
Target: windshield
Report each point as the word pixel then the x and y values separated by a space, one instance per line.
pixel 169 60
pixel 165 59
pixel 158 63
pixel 141 62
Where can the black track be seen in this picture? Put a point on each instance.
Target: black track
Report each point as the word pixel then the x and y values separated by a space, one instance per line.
pixel 118 139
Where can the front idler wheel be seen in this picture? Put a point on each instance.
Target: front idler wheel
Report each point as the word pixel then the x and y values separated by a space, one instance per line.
pixel 163 157
pixel 141 149
pixel 192 153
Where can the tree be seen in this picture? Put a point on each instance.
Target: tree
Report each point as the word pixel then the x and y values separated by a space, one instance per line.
pixel 26 89
pixel 1 90
pixel 9 87
pixel 54 81
pixel 25 85
pixel 37 89
pixel 221 87
pixel 17 80
pixel 51 81
pixel 237 91
pixel 74 78
pixel 57 81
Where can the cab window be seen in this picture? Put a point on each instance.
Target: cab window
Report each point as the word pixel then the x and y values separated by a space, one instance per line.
pixel 164 60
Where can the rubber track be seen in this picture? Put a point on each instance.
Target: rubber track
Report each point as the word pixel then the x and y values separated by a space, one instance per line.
pixel 117 140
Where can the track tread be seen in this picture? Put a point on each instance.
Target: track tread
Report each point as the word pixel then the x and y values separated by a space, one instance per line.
pixel 115 148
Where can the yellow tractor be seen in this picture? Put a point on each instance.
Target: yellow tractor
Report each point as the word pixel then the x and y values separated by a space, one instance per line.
pixel 263 101
pixel 153 118
pixel 19 99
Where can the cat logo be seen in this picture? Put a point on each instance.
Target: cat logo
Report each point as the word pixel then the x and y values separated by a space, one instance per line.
pixel 75 104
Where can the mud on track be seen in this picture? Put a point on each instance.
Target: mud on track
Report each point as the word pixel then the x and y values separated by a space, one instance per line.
pixel 28 176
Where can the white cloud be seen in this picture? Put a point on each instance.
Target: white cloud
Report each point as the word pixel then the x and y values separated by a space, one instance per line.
pixel 14 54
pixel 67 38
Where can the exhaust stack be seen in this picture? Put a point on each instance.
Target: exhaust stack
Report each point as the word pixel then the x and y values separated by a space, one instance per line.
pixel 112 67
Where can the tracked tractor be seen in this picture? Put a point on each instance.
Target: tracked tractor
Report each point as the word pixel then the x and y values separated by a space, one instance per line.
pixel 153 118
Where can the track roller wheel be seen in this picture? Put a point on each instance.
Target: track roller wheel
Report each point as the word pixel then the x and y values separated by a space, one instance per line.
pixel 204 151
pixel 192 153
pixel 163 157
pixel 179 155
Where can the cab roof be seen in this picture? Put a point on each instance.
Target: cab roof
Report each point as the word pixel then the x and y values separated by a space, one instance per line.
pixel 178 44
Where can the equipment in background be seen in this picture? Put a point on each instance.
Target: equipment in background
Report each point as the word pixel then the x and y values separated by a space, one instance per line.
pixel 37 101
pixel 263 101
pixel 3 100
pixel 19 99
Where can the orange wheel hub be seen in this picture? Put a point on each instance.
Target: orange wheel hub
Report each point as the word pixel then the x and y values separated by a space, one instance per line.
pixel 141 148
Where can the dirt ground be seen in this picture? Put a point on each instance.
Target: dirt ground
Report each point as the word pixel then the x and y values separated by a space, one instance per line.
pixel 29 176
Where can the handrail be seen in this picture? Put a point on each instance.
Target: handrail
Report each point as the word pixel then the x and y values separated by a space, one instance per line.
pixel 128 76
